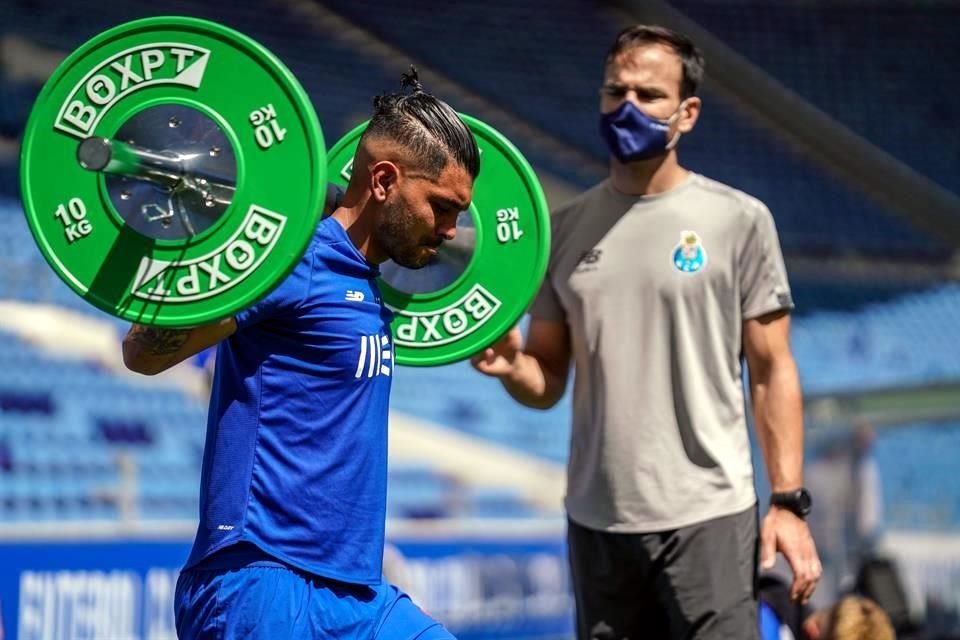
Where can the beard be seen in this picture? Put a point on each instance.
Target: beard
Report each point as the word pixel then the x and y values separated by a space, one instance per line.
pixel 396 235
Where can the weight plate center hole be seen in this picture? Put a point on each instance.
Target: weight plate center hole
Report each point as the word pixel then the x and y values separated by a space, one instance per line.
pixel 170 171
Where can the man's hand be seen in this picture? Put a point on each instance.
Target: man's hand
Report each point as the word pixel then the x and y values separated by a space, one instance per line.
pixel 535 374
pixel 500 359
pixel 783 531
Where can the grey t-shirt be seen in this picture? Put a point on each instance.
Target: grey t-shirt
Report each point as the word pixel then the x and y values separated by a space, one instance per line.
pixel 655 290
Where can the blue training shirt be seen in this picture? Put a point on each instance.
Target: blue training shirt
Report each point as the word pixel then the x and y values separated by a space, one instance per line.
pixel 295 459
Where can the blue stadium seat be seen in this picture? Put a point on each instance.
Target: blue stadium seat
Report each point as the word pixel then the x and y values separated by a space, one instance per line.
pixel 874 90
pixel 497 503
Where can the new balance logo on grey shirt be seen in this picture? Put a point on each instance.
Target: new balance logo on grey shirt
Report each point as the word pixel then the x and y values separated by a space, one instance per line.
pixel 655 291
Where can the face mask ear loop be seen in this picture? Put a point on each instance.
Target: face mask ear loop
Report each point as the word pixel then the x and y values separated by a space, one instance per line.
pixel 676 137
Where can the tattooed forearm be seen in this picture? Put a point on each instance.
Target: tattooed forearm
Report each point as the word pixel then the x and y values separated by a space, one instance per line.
pixel 158 342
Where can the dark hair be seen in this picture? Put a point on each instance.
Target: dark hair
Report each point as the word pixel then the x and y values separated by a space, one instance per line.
pixel 691 57
pixel 426 125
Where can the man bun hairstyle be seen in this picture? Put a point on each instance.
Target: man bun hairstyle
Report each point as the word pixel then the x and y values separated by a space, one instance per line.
pixel 426 126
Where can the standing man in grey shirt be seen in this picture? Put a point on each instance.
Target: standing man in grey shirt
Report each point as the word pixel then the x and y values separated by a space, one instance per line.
pixel 659 280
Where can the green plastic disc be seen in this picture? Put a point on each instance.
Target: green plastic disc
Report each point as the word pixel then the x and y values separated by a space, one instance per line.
pixel 173 171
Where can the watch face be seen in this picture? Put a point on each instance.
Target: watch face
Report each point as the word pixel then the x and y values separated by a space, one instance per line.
pixel 804 501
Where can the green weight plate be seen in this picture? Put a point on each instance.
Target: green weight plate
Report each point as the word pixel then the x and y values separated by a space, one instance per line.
pixel 481 282
pixel 200 177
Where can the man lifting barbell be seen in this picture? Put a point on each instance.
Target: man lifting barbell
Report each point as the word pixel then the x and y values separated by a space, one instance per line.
pixel 293 488
pixel 293 491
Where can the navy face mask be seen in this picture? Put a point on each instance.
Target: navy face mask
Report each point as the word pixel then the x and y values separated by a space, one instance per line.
pixel 633 135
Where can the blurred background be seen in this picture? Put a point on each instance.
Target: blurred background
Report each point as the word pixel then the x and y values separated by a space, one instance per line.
pixel 842 115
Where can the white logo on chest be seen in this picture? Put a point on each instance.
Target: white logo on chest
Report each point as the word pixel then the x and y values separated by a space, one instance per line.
pixel 375 357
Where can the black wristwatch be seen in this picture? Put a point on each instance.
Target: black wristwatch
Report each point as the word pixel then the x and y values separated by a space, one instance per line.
pixel 799 501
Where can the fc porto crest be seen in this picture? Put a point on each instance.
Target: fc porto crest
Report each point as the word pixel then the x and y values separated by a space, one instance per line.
pixel 689 256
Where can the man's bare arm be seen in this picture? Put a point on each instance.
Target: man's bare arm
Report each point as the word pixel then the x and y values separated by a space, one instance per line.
pixel 150 350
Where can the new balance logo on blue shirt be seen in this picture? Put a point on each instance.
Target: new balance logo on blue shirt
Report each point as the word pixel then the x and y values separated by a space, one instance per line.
pixel 354 296
pixel 375 355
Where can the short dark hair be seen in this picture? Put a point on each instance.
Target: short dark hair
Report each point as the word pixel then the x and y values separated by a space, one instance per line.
pixel 642 34
pixel 425 125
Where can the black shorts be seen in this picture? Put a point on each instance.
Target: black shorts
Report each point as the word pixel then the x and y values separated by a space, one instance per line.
pixel 697 582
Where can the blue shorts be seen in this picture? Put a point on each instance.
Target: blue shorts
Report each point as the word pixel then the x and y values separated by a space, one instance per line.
pixel 242 593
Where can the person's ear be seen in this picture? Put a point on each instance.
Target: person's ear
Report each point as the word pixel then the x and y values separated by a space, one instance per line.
pixel 689 113
pixel 383 179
